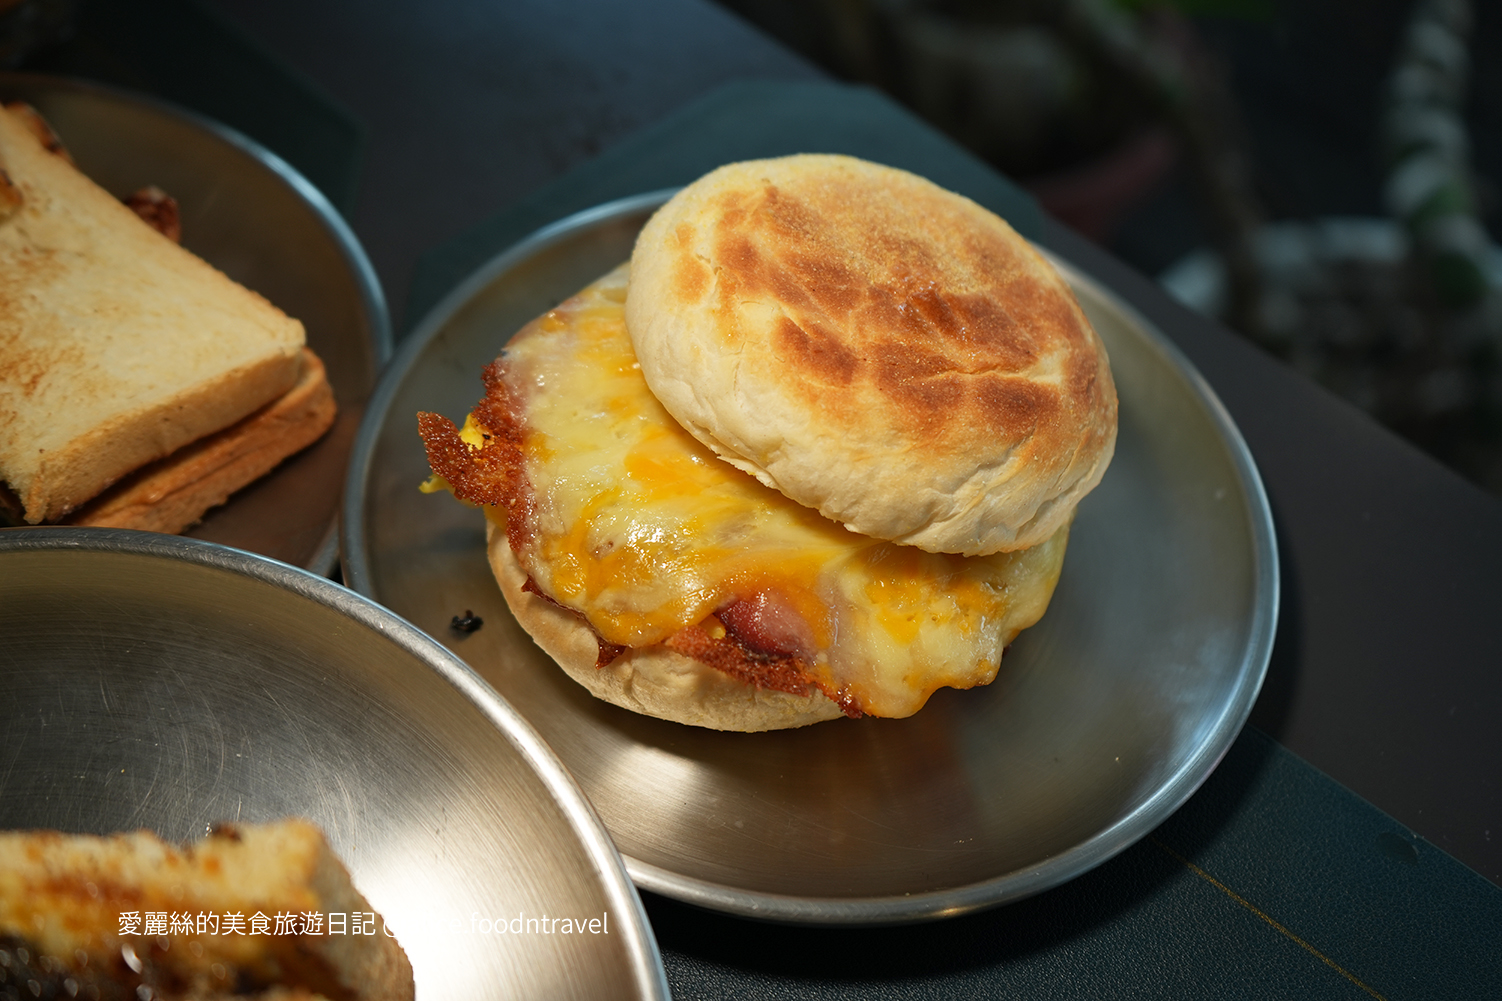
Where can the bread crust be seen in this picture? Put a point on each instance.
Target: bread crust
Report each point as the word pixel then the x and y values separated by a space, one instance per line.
pixel 117 347
pixel 173 493
pixel 877 348
pixel 653 680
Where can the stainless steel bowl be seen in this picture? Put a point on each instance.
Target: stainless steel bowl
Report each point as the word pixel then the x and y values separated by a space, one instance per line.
pixel 258 220
pixel 1105 717
pixel 159 682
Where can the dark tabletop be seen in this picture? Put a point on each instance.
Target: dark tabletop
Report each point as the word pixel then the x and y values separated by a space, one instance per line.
pixel 1387 673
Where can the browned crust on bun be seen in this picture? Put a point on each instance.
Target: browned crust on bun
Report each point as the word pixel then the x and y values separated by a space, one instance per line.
pixel 877 348
pixel 656 680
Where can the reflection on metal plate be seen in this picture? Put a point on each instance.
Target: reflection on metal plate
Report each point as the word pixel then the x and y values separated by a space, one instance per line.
pixel 252 216
pixel 1104 718
pixel 164 683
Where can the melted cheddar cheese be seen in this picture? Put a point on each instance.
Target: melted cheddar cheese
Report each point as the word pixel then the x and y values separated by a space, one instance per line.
pixel 645 532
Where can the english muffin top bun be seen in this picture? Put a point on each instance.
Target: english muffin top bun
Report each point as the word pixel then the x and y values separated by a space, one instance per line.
pixel 875 347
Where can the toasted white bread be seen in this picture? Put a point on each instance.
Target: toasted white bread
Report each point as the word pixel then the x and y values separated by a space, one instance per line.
pixel 172 493
pixel 117 347
pixel 119 913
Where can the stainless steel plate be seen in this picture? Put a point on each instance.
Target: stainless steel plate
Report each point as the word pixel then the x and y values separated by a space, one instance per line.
pixel 259 221
pixel 159 682
pixel 1105 717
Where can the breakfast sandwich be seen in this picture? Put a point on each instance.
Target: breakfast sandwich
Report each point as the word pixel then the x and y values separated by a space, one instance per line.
pixel 127 364
pixel 254 910
pixel 813 452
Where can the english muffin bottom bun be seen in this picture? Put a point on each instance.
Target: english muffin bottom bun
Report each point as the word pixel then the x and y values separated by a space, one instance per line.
pixel 669 582
pixel 875 347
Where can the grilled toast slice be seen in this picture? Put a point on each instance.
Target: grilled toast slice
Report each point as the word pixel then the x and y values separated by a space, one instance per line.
pixel 117 347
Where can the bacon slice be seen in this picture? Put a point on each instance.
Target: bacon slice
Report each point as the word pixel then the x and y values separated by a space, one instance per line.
pixel 726 652
pixel 767 624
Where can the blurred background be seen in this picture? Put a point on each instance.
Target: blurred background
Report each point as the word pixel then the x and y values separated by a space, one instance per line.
pixel 1323 175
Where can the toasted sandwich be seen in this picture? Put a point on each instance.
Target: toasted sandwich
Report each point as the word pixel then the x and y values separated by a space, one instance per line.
pixel 251 910
pixel 124 355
